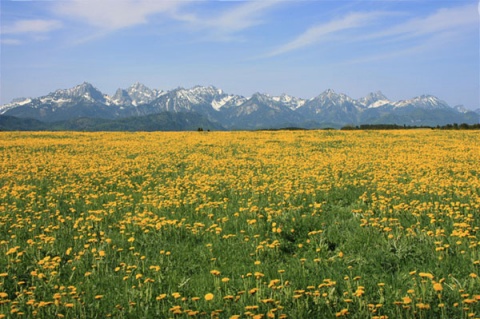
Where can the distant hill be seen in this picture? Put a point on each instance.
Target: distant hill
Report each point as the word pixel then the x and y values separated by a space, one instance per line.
pixel 165 121
pixel 12 123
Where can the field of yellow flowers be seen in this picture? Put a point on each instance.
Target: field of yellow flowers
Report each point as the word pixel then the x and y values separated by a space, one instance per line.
pixel 305 224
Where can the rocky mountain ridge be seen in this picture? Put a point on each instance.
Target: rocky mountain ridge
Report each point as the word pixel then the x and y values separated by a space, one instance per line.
pixel 328 109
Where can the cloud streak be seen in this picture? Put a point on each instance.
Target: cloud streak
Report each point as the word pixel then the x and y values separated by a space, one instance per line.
pixel 11 42
pixel 443 22
pixel 241 17
pixel 225 26
pixel 110 15
pixel 321 32
pixel 31 26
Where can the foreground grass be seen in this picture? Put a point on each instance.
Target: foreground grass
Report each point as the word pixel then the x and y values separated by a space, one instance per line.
pixel 315 224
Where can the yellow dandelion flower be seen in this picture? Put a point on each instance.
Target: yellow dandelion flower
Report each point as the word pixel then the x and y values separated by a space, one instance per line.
pixel 342 313
pixel 161 296
pixel 437 286
pixel 426 275
pixel 258 275
pixel 209 296
pixel 215 272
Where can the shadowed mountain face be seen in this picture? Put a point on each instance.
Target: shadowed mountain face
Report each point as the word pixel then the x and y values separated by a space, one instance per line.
pixel 237 112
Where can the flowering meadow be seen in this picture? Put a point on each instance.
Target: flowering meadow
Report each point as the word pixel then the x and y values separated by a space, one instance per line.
pixel 303 224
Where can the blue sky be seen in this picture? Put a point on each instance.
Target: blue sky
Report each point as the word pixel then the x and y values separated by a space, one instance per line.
pixel 403 48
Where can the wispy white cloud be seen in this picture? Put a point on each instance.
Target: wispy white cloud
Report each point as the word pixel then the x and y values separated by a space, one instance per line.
pixel 437 31
pixel 456 19
pixel 437 41
pixel 241 17
pixel 226 25
pixel 10 41
pixel 431 29
pixel 319 33
pixel 110 15
pixel 31 26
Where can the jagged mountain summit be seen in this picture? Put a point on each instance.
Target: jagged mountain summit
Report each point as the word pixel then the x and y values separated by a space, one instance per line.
pixel 83 100
pixel 376 99
pixel 231 111
pixel 135 95
pixel 330 107
pixel 427 102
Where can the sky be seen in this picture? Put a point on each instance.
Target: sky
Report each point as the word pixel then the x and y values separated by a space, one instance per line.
pixel 301 48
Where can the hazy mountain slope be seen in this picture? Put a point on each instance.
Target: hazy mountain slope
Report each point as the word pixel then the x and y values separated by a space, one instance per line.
pixel 165 121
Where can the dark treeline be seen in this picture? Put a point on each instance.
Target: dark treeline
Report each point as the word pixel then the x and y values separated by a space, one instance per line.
pixel 454 126
pixel 463 126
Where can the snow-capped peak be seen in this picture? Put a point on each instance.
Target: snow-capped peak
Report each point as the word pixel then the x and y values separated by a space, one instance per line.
pixel 290 101
pixel 372 97
pixel 139 86
pixel 261 96
pixel 423 101
pixel 84 90
pixel 205 90
pixel 141 94
pixel 329 96
pixel 373 100
pixel 135 95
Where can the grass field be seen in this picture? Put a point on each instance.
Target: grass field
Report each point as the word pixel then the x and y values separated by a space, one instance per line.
pixel 306 224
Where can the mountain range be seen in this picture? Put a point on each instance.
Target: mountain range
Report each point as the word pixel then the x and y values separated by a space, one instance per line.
pixel 219 110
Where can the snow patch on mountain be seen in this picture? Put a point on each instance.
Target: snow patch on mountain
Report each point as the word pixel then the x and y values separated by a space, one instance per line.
pixel 137 94
pixel 374 100
pixel 15 103
pixel 461 109
pixel 378 103
pixel 428 102
pixel 291 102
pixel 217 104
